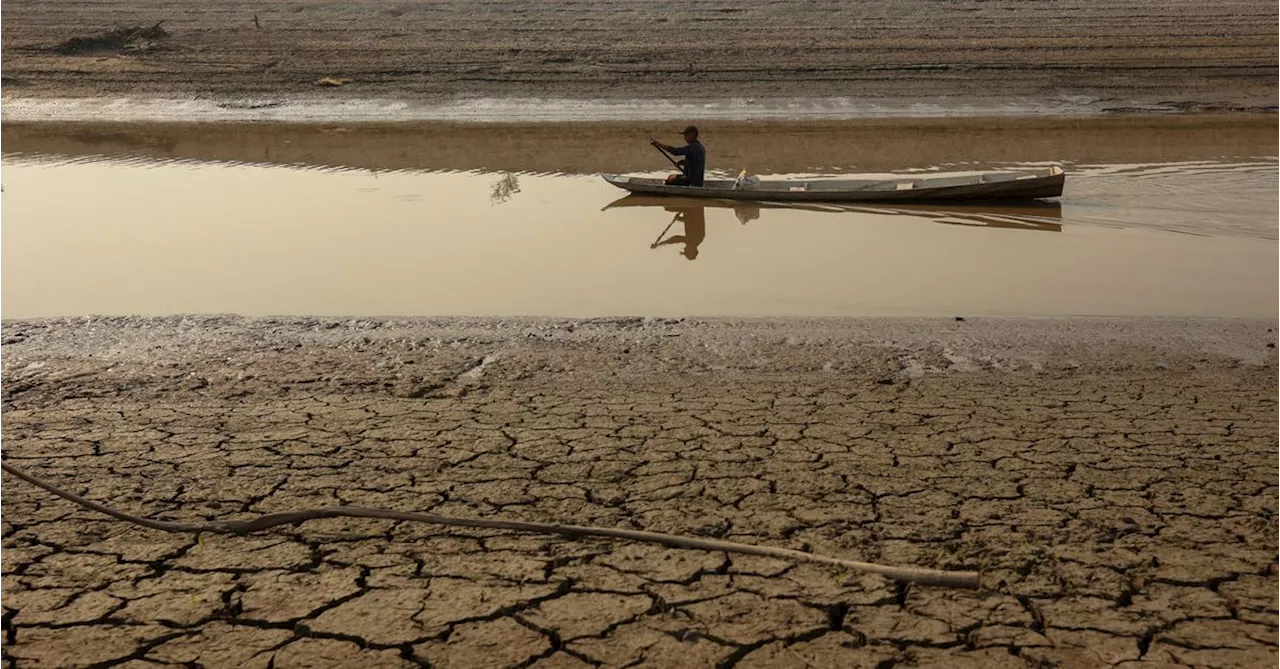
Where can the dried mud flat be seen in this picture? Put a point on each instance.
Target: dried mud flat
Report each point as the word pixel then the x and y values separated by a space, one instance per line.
pixel 1114 480
pixel 1100 55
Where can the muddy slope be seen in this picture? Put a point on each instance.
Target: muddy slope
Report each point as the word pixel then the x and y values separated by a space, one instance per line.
pixel 1113 55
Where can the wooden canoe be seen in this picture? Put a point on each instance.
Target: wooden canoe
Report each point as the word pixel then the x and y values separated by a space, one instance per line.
pixel 1027 184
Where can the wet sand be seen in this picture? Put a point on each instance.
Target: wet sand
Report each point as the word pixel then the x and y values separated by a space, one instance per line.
pixel 768 147
pixel 1078 54
pixel 1114 481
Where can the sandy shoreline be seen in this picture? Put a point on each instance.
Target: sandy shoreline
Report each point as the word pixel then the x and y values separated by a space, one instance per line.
pixel 1081 55
pixel 1114 480
pixel 592 148
pixel 289 109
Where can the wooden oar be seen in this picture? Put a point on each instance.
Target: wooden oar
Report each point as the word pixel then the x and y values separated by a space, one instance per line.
pixel 666 155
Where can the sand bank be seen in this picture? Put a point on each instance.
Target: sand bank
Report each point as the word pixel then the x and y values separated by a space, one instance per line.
pixel 891 55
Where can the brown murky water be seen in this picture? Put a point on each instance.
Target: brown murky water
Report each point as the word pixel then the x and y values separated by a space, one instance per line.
pixel 123 231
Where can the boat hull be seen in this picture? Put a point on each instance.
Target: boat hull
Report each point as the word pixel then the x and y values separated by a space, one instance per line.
pixel 1028 185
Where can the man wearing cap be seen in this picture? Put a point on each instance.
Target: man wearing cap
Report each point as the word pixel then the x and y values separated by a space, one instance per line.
pixel 695 159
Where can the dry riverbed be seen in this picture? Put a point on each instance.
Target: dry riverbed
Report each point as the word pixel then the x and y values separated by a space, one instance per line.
pixel 1114 480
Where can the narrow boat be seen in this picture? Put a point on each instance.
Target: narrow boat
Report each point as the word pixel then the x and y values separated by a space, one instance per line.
pixel 1005 185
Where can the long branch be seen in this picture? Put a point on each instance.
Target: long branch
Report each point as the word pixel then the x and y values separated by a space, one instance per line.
pixel 955 579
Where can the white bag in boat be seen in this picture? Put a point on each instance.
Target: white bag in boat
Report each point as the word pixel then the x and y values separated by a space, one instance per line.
pixel 746 181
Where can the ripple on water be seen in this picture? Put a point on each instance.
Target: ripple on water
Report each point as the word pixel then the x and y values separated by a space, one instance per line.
pixel 1235 197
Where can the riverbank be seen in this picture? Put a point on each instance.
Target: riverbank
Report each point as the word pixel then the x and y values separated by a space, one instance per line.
pixel 1073 56
pixel 764 146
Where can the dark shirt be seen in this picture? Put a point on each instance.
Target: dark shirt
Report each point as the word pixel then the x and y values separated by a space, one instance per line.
pixel 695 161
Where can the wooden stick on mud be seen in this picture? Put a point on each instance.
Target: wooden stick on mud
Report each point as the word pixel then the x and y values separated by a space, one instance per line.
pixel 955 579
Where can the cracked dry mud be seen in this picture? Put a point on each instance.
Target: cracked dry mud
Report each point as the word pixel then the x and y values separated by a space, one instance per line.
pixel 1115 481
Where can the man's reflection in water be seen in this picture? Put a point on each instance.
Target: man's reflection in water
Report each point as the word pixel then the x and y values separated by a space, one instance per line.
pixel 695 230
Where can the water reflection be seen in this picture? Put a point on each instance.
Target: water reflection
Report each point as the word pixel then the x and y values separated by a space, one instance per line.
pixel 1044 216
pixel 695 230
pixel 1040 215
pixel 504 188
pixel 1037 215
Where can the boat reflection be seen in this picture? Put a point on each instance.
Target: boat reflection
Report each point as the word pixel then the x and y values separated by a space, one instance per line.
pixel 1044 216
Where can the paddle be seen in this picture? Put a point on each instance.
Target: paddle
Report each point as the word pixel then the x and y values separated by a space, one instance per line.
pixel 666 155
pixel 675 218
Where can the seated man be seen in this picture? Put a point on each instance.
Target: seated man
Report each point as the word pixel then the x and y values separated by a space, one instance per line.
pixel 695 159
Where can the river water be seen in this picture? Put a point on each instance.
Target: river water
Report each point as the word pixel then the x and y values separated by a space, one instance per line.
pixel 132 221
